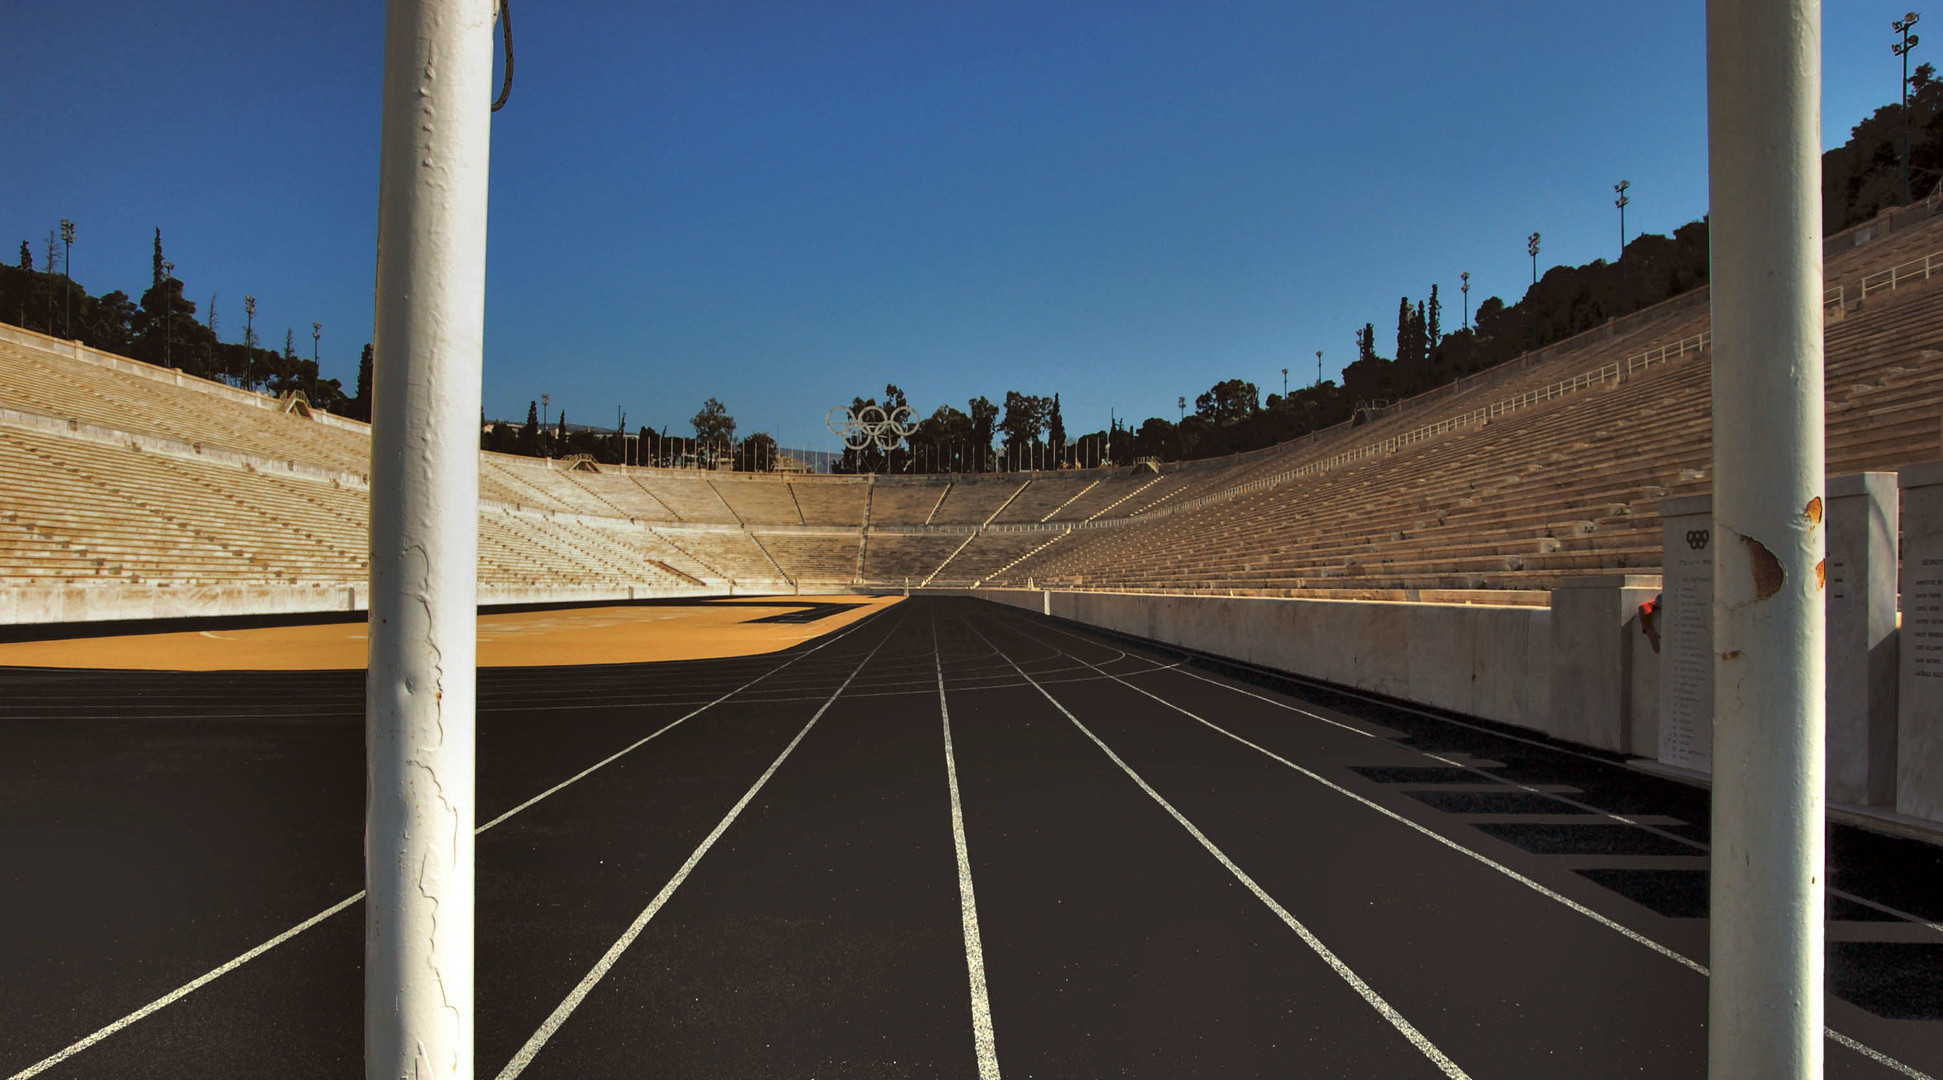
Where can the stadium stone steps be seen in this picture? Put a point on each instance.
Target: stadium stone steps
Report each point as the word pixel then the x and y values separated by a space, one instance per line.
pixel 970 500
pixel 897 558
pixel 1042 494
pixel 813 558
pixel 830 501
pixel 762 500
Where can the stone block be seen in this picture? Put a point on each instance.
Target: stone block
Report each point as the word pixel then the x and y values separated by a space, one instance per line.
pixel 1591 657
pixel 1862 521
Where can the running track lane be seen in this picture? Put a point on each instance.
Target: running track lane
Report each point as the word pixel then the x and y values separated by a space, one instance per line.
pixel 1535 985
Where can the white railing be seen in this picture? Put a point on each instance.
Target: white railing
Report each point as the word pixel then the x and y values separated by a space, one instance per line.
pixel 1913 270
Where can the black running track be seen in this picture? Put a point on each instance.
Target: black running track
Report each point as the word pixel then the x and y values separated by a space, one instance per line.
pixel 1366 891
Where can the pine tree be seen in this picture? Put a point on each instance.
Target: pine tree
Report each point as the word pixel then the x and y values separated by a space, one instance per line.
pixel 1366 344
pixel 158 255
pixel 26 257
pixel 1434 328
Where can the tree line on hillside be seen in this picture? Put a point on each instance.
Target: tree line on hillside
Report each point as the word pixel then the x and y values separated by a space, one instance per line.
pixel 713 445
pixel 1023 430
pixel 162 328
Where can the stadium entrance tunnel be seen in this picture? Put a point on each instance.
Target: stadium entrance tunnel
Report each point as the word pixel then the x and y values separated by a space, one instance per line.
pixel 619 633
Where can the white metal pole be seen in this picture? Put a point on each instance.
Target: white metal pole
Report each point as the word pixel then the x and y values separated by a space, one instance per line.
pixel 418 968
pixel 1764 148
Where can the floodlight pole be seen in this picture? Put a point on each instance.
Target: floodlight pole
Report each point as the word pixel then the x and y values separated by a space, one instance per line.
pixel 1620 202
pixel 67 272
pixel 1531 245
pixel 1765 1010
pixel 168 313
pixel 249 340
pixel 1318 369
pixel 419 693
pixel 1466 275
pixel 1901 48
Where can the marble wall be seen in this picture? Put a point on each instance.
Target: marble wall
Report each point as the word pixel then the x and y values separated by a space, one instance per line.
pixel 1594 621
pixel 1919 729
pixel 1862 528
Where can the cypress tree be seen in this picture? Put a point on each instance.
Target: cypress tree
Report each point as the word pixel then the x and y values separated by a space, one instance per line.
pixel 364 384
pixel 1403 330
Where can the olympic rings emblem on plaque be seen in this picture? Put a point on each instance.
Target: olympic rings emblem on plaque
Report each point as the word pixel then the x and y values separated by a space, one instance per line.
pixel 872 426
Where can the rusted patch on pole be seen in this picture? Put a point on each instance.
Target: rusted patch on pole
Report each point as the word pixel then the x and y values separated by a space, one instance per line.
pixel 1767 571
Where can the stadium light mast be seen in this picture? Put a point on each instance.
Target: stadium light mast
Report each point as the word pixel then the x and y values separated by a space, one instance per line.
pixel 67 272
pixel 1620 202
pixel 1285 382
pixel 1766 995
pixel 316 332
pixel 420 697
pixel 1531 245
pixel 1182 402
pixel 168 313
pixel 1466 275
pixel 1901 48
pixel 1318 369
pixel 249 340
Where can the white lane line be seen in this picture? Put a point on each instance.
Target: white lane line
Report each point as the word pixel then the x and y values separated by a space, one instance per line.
pixel 185 989
pixel 1836 1036
pixel 1368 993
pixel 194 984
pixel 670 726
pixel 1583 807
pixel 1877 1056
pixel 599 971
pixel 983 1039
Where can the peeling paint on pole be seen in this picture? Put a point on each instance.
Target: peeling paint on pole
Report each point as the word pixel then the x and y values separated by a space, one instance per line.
pixel 1764 144
pixel 424 539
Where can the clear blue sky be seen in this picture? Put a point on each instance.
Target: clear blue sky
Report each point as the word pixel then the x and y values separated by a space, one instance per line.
pixel 784 204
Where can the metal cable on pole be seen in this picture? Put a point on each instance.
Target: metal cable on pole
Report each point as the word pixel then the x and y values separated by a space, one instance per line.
pixel 506 27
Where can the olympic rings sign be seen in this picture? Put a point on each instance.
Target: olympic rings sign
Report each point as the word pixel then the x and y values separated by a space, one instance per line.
pixel 871 425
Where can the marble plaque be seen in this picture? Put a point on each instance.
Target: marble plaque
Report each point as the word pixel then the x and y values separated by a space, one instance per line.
pixel 1687 633
pixel 1919 728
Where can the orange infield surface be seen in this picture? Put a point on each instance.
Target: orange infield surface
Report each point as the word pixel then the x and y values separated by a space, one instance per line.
pixel 623 634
